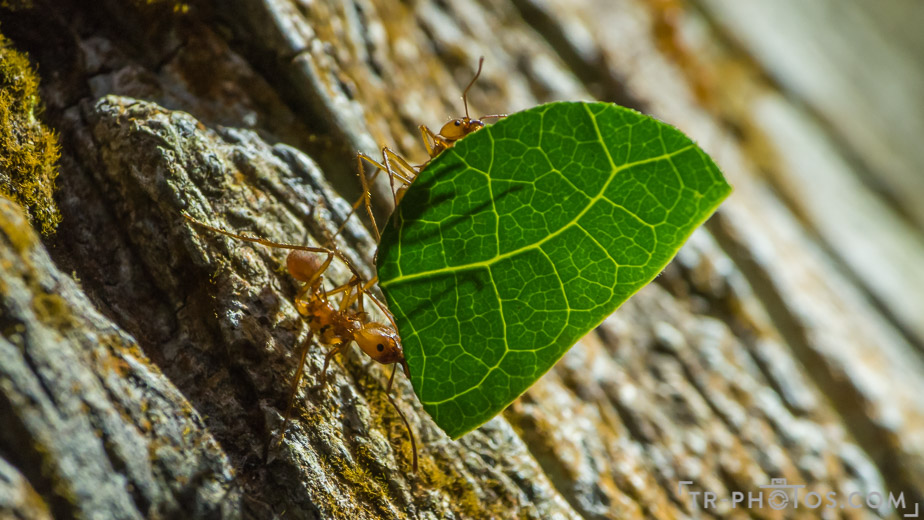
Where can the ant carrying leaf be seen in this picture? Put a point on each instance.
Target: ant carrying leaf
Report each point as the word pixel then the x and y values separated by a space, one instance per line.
pixel 399 169
pixel 334 324
pixel 340 323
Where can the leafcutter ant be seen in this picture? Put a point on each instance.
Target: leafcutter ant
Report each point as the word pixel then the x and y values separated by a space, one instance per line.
pixel 337 325
pixel 398 168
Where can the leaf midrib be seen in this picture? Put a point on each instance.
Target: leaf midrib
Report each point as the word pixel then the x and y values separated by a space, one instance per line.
pixel 489 262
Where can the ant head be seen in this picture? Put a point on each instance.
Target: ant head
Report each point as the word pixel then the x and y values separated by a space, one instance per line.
pixel 459 128
pixel 380 342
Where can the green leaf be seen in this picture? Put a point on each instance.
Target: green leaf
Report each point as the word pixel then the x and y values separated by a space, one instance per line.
pixel 527 234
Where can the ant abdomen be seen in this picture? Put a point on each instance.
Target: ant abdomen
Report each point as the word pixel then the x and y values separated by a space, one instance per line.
pixel 302 265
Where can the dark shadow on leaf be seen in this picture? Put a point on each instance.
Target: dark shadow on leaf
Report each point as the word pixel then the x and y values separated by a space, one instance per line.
pixel 409 211
pixel 453 282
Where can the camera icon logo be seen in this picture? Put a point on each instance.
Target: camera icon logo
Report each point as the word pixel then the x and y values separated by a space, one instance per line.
pixel 782 493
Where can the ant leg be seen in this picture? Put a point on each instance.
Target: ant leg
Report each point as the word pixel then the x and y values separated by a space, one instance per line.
pixel 427 135
pixel 367 193
pixel 366 197
pixel 298 262
pixel 378 303
pixel 353 292
pixel 494 116
pixel 433 142
pixel 327 359
pixel 348 297
pixel 256 240
pixel 336 290
pixel 392 174
pixel 404 173
pixel 401 414
pixel 294 391
pixel 280 245
pixel 363 290
pixel 372 281
pixel 386 166
pixel 360 301
pixel 405 167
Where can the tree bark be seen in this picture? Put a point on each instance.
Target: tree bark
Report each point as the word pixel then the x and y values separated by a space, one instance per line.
pixel 145 362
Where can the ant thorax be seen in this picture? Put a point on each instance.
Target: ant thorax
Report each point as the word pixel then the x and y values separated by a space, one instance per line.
pixel 323 319
pixel 331 325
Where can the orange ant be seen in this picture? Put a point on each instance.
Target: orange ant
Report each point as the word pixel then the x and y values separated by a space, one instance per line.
pixel 335 325
pixel 402 170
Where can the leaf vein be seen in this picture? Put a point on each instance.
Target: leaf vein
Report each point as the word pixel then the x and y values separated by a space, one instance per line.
pixel 491 261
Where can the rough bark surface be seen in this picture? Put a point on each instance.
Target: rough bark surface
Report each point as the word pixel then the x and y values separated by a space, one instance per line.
pixel 145 362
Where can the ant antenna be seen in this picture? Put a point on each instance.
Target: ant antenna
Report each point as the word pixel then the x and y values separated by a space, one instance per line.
pixel 401 414
pixel 470 83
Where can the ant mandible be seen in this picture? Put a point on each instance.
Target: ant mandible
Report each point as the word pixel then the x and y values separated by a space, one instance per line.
pixel 334 325
pixel 402 170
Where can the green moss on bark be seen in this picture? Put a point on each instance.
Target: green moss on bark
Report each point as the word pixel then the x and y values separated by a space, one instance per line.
pixel 15 5
pixel 29 150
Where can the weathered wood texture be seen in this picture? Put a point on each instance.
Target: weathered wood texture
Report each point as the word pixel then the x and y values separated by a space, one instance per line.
pixel 144 363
